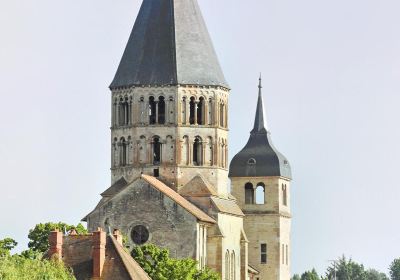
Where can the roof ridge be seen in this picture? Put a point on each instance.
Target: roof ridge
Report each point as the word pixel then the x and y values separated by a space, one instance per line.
pixel 183 202
pixel 135 271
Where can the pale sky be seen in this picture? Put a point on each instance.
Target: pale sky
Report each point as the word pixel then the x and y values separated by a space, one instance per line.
pixel 331 88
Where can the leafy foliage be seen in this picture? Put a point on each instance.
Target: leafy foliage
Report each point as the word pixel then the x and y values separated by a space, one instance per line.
pixel 158 264
pixel 296 277
pixel 373 274
pixel 17 267
pixel 39 235
pixel 6 245
pixel 395 270
pixel 346 269
pixel 310 275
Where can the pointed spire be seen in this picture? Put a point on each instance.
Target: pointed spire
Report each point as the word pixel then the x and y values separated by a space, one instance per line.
pixel 169 45
pixel 259 126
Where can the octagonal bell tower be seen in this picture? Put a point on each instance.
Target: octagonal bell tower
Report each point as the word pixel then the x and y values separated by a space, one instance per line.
pixel 170 100
pixel 260 177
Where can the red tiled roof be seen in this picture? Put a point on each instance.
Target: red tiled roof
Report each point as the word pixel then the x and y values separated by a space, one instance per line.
pixel 178 199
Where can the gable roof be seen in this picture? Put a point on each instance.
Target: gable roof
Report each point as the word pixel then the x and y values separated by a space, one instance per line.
pixel 115 188
pixel 198 186
pixel 169 45
pixel 183 202
pixel 227 206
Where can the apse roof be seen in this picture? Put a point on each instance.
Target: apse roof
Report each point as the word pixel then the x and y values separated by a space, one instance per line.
pixel 169 45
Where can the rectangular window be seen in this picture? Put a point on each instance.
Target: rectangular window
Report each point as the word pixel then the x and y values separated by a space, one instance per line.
pixel 156 173
pixel 263 253
pixel 283 254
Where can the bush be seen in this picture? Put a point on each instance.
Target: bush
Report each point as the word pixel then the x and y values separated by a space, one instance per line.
pixel 159 266
pixel 20 268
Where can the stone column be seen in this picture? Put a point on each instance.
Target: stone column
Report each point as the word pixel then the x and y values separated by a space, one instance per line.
pixel 190 151
pixel 156 116
pixel 130 113
pixel 187 111
pixel 196 103
pixel 205 110
pixel 166 111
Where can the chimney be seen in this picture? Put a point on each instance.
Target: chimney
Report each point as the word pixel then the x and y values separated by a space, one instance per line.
pixel 99 252
pixel 56 242
pixel 118 236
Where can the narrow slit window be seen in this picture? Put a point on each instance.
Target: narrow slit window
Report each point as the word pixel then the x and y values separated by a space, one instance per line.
pixel 263 253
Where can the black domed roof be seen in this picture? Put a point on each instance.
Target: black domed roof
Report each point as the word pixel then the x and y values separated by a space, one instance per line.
pixel 259 158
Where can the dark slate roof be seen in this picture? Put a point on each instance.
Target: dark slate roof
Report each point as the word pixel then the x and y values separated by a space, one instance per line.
pixel 259 158
pixel 169 45
pixel 115 188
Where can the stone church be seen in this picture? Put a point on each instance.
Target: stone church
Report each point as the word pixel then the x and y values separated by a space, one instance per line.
pixel 170 180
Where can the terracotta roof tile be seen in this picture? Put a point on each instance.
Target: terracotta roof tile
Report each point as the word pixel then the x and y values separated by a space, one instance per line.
pixel 178 199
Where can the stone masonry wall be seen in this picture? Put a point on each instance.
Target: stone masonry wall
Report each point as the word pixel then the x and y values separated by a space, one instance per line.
pixel 170 226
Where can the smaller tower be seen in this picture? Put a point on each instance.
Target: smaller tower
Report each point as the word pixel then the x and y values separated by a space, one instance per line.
pixel 260 177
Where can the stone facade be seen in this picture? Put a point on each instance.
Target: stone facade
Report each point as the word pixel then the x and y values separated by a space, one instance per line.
pixel 188 123
pixel 169 225
pixel 268 222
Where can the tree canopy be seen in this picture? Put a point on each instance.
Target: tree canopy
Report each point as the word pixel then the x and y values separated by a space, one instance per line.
pixel 310 275
pixel 6 245
pixel 395 270
pixel 39 235
pixel 160 266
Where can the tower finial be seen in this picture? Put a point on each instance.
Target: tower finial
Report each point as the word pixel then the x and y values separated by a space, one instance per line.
pixel 259 120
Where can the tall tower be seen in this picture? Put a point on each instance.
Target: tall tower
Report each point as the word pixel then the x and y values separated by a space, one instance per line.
pixel 260 177
pixel 170 100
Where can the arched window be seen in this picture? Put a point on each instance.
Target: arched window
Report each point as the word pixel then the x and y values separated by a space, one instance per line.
pixel 161 110
pixel 249 193
pixel 123 152
pixel 107 225
pixel 227 265
pixel 156 151
pixel 221 115
pixel 197 151
pixel 152 110
pixel 284 195
pixel 192 109
pixel 260 194
pixel 200 113
pixel 124 111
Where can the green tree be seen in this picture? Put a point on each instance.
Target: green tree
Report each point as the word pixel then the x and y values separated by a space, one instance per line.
pixel 296 277
pixel 346 269
pixel 39 235
pixel 17 267
pixel 160 266
pixel 310 275
pixel 373 274
pixel 395 270
pixel 6 245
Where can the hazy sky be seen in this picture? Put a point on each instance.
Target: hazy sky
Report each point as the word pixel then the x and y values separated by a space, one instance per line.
pixel 331 86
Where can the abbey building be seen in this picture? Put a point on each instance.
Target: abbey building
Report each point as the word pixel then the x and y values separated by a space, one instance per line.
pixel 169 146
